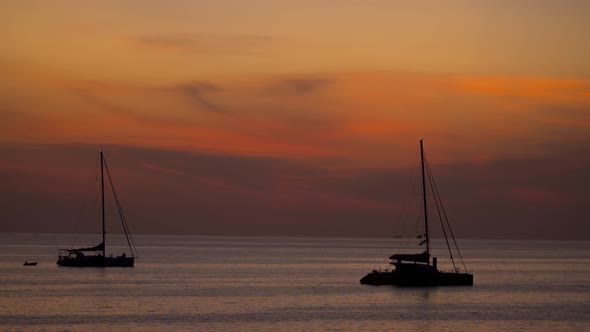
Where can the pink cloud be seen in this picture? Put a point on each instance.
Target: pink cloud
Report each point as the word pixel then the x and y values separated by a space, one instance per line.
pixel 310 197
pixel 162 169
pixel 538 196
pixel 210 182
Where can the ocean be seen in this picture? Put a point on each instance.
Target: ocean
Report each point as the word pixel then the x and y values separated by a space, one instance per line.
pixel 218 283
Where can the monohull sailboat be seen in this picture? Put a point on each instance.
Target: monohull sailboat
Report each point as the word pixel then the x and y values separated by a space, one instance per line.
pixel 419 269
pixel 97 256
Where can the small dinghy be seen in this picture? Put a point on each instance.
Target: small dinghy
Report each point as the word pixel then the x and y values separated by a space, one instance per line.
pixel 30 263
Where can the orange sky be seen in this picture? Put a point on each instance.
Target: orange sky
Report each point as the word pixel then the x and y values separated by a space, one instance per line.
pixel 334 85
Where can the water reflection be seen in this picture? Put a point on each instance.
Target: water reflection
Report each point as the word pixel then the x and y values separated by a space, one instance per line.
pixel 183 283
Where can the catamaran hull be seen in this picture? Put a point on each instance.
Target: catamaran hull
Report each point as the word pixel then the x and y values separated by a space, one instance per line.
pixel 96 261
pixel 379 278
pixel 428 279
pixel 455 279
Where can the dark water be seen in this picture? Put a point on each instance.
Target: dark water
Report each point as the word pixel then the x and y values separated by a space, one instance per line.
pixel 311 284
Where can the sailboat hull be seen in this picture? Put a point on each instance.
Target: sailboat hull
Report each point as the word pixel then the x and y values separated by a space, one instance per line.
pixel 79 257
pixel 96 261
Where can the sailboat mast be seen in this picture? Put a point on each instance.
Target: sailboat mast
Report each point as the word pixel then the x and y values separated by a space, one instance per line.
pixel 102 193
pixel 424 197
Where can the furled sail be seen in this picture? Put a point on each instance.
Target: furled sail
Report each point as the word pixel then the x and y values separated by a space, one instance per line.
pixel 99 247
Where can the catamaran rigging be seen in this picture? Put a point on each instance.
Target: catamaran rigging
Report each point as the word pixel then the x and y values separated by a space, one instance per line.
pixel 417 269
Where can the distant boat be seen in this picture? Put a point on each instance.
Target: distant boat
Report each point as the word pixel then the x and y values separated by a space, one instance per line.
pixel 30 263
pixel 79 257
pixel 417 269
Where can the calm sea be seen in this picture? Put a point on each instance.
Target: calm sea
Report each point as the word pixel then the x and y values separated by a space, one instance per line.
pixel 307 284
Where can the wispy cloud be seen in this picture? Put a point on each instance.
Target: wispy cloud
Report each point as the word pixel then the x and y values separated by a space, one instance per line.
pixel 515 86
pixel 195 91
pixel 161 169
pixel 301 86
pixel 356 116
pixel 128 100
pixel 208 44
pixel 105 104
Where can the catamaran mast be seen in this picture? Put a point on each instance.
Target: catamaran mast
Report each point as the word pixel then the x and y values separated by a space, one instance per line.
pixel 427 239
pixel 102 193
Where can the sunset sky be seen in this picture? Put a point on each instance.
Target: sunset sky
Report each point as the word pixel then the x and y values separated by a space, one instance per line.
pixel 272 117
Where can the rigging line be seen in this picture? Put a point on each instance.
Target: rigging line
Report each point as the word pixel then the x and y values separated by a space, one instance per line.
pixel 121 214
pixel 134 250
pixel 125 226
pixel 429 171
pixel 449 225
